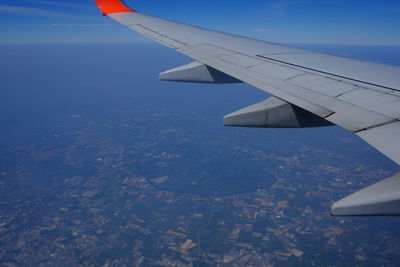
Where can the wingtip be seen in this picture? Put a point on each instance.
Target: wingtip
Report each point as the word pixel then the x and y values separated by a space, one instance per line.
pixel 112 6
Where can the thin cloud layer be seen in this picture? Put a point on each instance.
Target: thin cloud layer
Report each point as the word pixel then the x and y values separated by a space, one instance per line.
pixel 32 11
pixel 82 25
pixel 264 30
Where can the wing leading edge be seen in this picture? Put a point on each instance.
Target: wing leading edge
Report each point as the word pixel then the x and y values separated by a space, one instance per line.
pixel 359 96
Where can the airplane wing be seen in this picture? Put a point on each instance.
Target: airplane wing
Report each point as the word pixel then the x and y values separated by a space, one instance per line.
pixel 310 89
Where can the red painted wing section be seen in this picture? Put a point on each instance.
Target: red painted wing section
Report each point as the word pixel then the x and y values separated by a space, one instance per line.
pixel 112 6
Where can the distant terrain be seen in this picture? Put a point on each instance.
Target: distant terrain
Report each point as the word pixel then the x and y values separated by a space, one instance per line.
pixel 101 164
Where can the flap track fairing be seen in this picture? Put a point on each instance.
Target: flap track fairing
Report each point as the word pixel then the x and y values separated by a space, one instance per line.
pixel 379 199
pixel 274 113
pixel 197 72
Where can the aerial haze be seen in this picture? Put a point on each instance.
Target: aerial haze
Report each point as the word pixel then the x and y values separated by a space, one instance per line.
pixel 102 164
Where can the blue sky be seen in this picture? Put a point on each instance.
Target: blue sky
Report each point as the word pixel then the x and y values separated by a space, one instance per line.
pixel 371 22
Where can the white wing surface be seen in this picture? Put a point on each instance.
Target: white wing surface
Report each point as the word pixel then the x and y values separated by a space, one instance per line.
pixel 359 96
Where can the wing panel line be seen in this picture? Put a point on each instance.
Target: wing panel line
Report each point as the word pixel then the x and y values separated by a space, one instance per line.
pixel 324 72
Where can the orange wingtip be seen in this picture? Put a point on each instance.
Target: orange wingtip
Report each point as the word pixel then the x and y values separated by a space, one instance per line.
pixel 112 6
